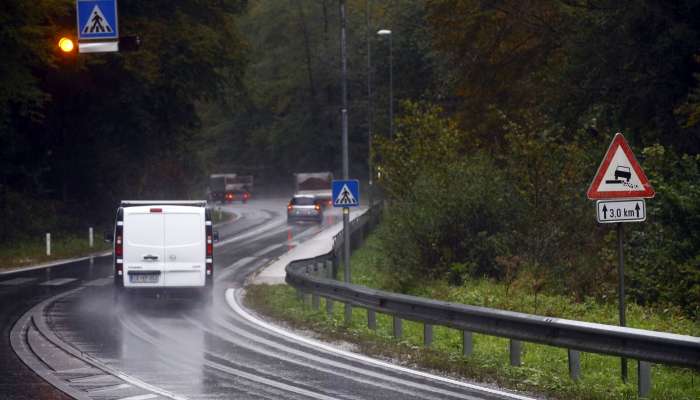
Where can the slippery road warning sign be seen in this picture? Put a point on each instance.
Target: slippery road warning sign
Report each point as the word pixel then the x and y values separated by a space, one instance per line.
pixel 346 193
pixel 620 176
pixel 610 211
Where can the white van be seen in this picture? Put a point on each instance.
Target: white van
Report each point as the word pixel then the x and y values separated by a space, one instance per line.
pixel 163 245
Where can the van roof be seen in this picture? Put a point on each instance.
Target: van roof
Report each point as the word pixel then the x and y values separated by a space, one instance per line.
pixel 192 203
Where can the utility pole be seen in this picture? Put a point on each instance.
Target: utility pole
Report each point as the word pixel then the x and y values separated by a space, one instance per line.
pixel 344 122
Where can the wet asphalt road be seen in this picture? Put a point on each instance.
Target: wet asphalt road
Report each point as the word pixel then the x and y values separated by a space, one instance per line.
pixel 196 351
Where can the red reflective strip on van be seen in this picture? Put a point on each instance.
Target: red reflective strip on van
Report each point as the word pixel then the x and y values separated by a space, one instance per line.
pixel 155 210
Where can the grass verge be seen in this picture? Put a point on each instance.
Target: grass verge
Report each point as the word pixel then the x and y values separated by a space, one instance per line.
pixel 544 369
pixel 31 252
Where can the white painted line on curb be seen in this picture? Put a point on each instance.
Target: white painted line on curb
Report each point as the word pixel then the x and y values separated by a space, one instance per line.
pixel 17 281
pixel 54 263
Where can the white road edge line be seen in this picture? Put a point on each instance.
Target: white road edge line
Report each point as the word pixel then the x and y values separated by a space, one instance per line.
pixel 232 298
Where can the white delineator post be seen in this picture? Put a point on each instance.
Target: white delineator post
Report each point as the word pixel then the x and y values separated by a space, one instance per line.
pixel 48 244
pixel 91 237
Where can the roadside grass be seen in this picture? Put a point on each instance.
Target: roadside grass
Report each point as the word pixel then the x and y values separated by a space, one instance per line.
pixel 544 369
pixel 33 251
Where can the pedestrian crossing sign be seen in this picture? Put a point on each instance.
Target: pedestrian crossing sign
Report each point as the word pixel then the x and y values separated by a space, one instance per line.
pixel 97 19
pixel 346 193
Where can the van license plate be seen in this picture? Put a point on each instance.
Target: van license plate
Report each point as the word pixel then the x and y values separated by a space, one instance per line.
pixel 143 278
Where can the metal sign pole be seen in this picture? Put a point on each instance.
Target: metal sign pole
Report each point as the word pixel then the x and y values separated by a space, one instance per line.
pixel 621 291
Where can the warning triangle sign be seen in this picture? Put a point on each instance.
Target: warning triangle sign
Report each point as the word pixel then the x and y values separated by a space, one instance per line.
pixel 345 197
pixel 97 23
pixel 620 175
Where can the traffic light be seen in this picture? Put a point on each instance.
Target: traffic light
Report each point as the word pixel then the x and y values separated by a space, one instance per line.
pixel 66 45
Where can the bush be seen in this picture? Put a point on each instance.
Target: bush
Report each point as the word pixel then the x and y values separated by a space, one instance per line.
pixel 453 223
pixel 664 252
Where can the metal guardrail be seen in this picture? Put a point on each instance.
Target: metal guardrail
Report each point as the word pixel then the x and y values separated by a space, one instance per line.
pixel 315 276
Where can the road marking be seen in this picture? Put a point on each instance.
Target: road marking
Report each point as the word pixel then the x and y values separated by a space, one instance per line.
pixel 327 366
pixel 17 281
pixel 57 282
pixel 109 388
pixel 140 333
pixel 232 300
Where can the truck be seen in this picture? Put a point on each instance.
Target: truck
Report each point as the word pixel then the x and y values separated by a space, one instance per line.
pixel 317 184
pixel 228 187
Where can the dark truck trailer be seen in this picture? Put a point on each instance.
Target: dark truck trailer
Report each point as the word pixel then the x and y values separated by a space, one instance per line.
pixel 230 187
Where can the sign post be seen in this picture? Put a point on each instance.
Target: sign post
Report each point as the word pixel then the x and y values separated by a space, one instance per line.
pixel 346 194
pixel 620 187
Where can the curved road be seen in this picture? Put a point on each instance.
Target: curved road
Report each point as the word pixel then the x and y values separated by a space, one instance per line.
pixel 172 348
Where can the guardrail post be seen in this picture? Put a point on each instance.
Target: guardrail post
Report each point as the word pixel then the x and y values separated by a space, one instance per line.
pixel 427 335
pixel 48 244
pixel 348 314
pixel 398 327
pixel 91 237
pixel 574 364
pixel 467 344
pixel 371 319
pixel 515 350
pixel 315 301
pixel 643 378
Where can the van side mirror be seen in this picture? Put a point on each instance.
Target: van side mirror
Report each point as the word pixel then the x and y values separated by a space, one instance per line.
pixel 109 237
pixel 216 236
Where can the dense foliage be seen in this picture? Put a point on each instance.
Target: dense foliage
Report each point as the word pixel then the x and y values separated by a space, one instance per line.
pixel 80 132
pixel 538 89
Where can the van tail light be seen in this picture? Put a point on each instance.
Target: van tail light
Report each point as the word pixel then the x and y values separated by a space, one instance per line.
pixel 289 207
pixel 118 246
pixel 209 234
pixel 119 250
pixel 317 207
pixel 246 195
pixel 229 196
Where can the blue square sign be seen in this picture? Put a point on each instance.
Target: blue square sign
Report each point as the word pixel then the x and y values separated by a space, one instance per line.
pixel 97 19
pixel 346 193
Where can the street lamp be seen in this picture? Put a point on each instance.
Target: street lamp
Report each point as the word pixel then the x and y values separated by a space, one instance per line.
pixel 387 32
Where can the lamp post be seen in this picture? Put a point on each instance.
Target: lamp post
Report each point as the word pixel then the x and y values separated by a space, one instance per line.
pixel 387 32
pixel 344 123
pixel 369 106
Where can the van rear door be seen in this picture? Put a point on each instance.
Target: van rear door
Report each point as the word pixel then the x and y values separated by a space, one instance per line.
pixel 185 253
pixel 144 256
